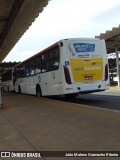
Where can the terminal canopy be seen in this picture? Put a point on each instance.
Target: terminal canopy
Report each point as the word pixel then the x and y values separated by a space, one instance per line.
pixel 112 39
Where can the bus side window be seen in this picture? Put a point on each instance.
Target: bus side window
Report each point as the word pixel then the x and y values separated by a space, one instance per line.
pixel 32 72
pixel 26 72
pixel 54 64
pixel 20 72
pixel 46 62
pixel 37 65
pixel 54 59
pixel 32 67
pixel 7 76
pixel 45 66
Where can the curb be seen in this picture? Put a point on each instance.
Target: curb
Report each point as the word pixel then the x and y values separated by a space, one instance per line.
pixel 114 88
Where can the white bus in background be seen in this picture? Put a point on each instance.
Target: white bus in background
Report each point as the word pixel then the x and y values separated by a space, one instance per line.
pixel 68 67
pixel 7 81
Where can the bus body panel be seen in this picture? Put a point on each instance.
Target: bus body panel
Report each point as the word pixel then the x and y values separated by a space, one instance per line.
pixel 49 83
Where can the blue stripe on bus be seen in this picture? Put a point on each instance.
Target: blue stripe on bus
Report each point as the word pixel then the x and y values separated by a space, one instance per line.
pixel 90 91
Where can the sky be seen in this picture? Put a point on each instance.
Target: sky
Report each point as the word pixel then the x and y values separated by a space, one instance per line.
pixel 63 19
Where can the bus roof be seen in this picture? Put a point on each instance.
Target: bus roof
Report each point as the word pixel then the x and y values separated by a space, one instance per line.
pixel 50 47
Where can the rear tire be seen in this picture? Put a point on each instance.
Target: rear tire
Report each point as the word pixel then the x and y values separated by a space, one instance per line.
pixel 38 91
pixel 19 90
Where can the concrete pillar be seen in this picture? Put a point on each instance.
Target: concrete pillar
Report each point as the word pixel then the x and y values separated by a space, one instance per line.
pixel 0 92
pixel 117 64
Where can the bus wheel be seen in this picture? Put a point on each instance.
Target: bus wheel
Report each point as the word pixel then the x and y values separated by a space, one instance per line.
pixel 73 95
pixel 19 90
pixel 38 91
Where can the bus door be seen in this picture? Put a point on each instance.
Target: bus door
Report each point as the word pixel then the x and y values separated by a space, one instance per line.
pixel 51 75
pixel 50 81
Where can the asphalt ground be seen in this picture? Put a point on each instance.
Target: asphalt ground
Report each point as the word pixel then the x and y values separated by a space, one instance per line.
pixel 29 123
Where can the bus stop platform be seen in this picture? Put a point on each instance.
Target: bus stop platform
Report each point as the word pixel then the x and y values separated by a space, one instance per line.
pixel 29 123
pixel 115 88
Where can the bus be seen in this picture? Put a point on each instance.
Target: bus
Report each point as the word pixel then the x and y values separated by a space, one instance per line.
pixel 69 67
pixel 7 80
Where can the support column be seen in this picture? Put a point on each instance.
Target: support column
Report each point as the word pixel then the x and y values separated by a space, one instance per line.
pixel 117 64
pixel 0 92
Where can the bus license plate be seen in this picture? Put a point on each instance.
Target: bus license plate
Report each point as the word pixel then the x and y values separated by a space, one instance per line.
pixel 88 77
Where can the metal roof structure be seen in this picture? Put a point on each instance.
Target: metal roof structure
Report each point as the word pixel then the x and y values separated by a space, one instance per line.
pixel 15 18
pixel 112 39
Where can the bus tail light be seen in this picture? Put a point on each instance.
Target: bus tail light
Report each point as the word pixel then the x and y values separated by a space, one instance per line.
pixel 67 75
pixel 106 72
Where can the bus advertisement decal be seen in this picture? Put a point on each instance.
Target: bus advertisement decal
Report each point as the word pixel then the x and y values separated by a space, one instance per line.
pixel 85 71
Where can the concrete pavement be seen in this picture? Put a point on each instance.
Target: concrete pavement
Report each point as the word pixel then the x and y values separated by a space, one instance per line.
pixel 29 123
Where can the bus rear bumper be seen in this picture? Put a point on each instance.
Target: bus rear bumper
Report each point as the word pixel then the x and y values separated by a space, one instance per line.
pixel 86 88
pixel 90 91
pixel 96 87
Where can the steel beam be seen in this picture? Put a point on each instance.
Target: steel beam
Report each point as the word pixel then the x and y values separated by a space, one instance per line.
pixel 15 9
